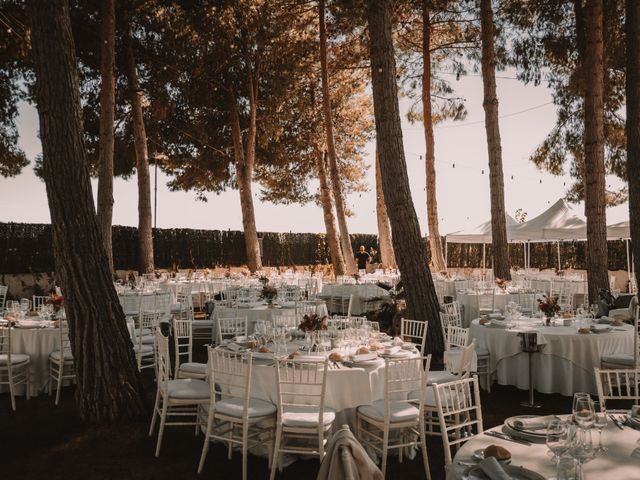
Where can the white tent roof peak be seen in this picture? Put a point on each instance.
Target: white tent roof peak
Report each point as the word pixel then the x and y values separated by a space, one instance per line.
pixel 481 233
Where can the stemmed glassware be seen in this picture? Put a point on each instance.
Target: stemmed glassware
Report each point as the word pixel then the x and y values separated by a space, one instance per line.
pixel 600 422
pixel 581 448
pixel 558 439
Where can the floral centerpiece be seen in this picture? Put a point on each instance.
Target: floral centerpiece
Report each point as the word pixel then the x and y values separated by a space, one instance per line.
pixel 263 280
pixel 549 306
pixel 501 283
pixel 269 293
pixel 57 301
pixel 312 323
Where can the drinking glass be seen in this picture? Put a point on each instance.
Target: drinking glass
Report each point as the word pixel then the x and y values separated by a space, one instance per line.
pixel 600 422
pixel 558 439
pixel 584 412
pixel 24 307
pixel 576 397
pixel 581 448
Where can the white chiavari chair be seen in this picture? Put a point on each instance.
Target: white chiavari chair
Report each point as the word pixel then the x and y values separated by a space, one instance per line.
pixel 288 321
pixel 633 284
pixel 485 300
pixel 302 413
pixel 625 360
pixel 618 385
pixel 397 421
pixel 14 367
pixel 415 331
pixel 566 295
pixel 234 417
pixel 144 345
pixel 457 367
pixel 305 307
pixel 3 295
pixel 175 398
pixel 61 361
pixel 185 367
pixel 38 300
pixel 131 304
pixel 459 412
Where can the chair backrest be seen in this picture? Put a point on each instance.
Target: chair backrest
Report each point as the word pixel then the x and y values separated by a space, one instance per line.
pixel 450 320
pixel 452 308
pixel 3 295
pixel 229 376
pixel 185 311
pixel 162 303
pixel 131 304
pixel 633 285
pixel 5 344
pixel 301 383
pixel 163 361
pixel 404 381
pixel 463 367
pixel 63 337
pixel 182 341
pixel 38 300
pixel 618 384
pixel 415 330
pixel 457 337
pixel 231 327
pixel 304 307
pixel 485 298
pixel 459 410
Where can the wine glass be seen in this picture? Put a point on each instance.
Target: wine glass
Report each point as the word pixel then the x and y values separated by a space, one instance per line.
pixel 576 397
pixel 584 412
pixel 558 439
pixel 581 448
pixel 24 307
pixel 600 422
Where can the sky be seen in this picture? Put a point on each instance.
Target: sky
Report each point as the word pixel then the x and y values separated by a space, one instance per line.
pixel 527 115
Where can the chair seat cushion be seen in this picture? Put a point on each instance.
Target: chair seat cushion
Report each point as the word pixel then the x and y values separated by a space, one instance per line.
pixel 56 355
pixel 188 389
pixel 144 349
pixel 440 376
pixel 482 352
pixel 194 367
pixel 398 412
pixel 145 331
pixel 16 358
pixel 430 396
pixel 306 417
pixel 619 359
pixel 148 339
pixel 234 407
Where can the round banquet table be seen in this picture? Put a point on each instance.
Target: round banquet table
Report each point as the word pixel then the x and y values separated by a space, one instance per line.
pixel 621 461
pixel 468 300
pixel 38 343
pixel 347 388
pixel 565 364
pixel 260 311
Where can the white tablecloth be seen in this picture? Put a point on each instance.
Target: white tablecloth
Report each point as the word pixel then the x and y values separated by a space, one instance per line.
pixel 469 302
pixel 620 462
pixel 263 312
pixel 565 364
pixel 38 343
pixel 360 294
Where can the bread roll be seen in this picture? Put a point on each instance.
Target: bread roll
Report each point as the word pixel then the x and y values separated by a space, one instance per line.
pixel 362 351
pixel 483 321
pixel 584 330
pixel 264 350
pixel 293 355
pixel 498 452
pixel 335 357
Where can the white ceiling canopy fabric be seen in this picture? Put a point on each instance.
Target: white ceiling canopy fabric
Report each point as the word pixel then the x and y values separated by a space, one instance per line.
pixel 557 223
pixel 480 233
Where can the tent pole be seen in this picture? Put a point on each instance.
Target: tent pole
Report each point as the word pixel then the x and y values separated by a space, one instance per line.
pixel 484 257
pixel 446 253
pixel 559 266
pixel 628 261
pixel 524 254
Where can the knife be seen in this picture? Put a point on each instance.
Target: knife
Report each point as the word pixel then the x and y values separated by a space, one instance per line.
pixel 504 436
pixel 616 422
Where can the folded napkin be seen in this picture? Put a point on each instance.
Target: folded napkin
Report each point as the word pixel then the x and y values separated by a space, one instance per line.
pixel 492 469
pixel 365 357
pixel 234 347
pixel 534 423
pixel 391 351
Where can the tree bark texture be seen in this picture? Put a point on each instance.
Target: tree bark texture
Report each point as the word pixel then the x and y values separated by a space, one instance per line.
pixel 145 220
pixel 387 256
pixel 108 383
pixel 594 197
pixel 435 242
pixel 107 116
pixel 632 26
pixel 501 266
pixel 326 200
pixel 336 184
pixel 422 302
pixel 244 160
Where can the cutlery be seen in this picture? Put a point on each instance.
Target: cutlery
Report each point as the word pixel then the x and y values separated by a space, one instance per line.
pixel 616 422
pixel 467 464
pixel 504 436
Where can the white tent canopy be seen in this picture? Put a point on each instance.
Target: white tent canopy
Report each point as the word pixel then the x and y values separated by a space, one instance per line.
pixel 557 223
pixel 481 233
pixel 618 231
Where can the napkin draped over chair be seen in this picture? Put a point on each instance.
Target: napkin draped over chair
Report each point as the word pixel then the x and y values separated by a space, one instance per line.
pixel 346 459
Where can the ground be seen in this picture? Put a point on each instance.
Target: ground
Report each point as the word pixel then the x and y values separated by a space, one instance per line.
pixel 41 440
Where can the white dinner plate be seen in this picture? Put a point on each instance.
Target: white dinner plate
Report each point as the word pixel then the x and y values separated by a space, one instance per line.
pixel 478 455
pixel 510 422
pixel 516 473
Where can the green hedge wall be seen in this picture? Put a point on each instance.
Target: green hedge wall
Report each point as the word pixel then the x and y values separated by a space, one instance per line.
pixel 26 248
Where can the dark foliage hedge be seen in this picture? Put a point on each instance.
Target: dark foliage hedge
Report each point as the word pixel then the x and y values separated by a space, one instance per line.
pixel 26 248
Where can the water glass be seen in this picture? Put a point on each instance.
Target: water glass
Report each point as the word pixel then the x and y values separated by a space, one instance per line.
pixel 584 412
pixel 558 439
pixel 600 422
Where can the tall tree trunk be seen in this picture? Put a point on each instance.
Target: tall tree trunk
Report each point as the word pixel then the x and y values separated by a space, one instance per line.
pixel 145 225
pixel 336 183
pixel 108 383
pixel 501 266
pixel 387 256
pixel 632 24
pixel 422 302
pixel 244 160
pixel 326 200
pixel 107 116
pixel 435 242
pixel 594 196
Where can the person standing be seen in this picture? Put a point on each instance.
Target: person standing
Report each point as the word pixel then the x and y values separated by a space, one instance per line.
pixel 362 258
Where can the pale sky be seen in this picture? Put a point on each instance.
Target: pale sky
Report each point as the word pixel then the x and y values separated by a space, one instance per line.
pixel 463 190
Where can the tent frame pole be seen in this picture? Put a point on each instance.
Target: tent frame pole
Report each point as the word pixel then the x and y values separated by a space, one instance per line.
pixel 559 264
pixel 484 258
